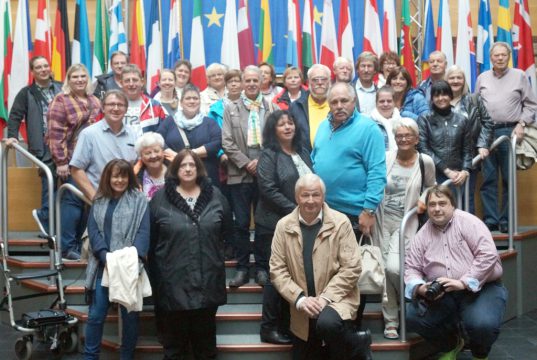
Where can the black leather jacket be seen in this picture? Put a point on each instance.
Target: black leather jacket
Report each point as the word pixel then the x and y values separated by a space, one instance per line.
pixel 447 139
pixel 482 127
pixel 276 178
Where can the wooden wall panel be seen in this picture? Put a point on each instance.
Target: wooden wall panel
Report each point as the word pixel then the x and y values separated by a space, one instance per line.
pixel 24 189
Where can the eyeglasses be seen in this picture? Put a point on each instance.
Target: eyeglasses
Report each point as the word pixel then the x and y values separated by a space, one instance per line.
pixel 115 105
pixel 404 137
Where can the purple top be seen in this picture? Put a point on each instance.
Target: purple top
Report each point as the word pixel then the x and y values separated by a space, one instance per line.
pixel 463 250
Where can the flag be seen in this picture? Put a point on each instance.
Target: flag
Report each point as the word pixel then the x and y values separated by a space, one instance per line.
pixel 42 31
pixel 265 53
pixel 329 51
pixel 485 36
pixel 294 36
pixel 22 50
pixel 99 49
pixel 229 54
pixel 504 26
pixel 522 41
pixel 444 40
pixel 429 40
pixel 6 49
pixel 308 41
pixel 465 55
pixel 246 43
pixel 344 34
pixel 61 56
pixel 118 38
pixel 406 52
pixel 81 48
pixel 154 48
pixel 372 36
pixel 197 54
pixel 389 28
pixel 137 54
pixel 173 51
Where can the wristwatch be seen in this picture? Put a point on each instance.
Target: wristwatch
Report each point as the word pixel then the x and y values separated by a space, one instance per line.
pixel 369 212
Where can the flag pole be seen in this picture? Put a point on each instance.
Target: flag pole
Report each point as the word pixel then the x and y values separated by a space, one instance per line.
pixel 180 10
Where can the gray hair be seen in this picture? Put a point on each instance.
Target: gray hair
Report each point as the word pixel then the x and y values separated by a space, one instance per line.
pixel 438 52
pixel 254 69
pixel 322 67
pixel 368 56
pixel 309 179
pixel 457 69
pixel 407 123
pixel 148 139
pixel 215 67
pixel 502 44
pixel 350 89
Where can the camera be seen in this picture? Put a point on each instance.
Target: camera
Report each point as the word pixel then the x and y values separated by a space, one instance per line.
pixel 434 290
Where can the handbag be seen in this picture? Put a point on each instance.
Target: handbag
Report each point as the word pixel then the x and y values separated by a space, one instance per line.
pixel 372 279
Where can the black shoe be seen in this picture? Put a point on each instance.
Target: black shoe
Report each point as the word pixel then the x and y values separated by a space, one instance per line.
pixel 274 337
pixel 504 228
pixel 261 278
pixel 361 345
pixel 492 227
pixel 241 278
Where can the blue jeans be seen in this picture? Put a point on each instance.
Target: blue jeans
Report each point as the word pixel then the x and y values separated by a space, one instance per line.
pixel 479 313
pixel 74 220
pixel 244 197
pixel 94 327
pixel 495 213
pixel 42 213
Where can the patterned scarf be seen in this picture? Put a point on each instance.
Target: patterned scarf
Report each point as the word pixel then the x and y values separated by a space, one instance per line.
pixel 254 127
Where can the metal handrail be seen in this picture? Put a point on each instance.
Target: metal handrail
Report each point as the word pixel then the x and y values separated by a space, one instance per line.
pixel 3 191
pixel 57 205
pixel 413 211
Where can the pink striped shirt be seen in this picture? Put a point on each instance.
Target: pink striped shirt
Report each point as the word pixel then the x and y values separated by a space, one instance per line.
pixel 463 250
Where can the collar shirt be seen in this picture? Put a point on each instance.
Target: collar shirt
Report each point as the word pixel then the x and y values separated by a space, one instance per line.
pixel 463 250
pixel 366 97
pixel 318 219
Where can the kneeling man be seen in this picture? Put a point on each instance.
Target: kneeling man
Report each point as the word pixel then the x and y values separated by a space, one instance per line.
pixel 315 266
pixel 452 274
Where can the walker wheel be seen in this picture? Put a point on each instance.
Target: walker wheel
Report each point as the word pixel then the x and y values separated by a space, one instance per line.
pixel 23 349
pixel 68 341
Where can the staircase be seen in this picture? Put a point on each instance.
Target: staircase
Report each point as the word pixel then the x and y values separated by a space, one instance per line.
pixel 237 322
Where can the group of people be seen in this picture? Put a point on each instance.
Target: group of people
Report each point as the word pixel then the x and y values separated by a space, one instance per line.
pixel 324 163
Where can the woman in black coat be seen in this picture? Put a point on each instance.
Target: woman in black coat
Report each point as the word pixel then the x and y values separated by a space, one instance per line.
pixel 189 220
pixel 283 160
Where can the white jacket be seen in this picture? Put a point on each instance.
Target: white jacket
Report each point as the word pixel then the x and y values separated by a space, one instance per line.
pixel 127 284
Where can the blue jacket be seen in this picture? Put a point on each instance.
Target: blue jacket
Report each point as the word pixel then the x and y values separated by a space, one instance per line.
pixel 351 162
pixel 414 104
pixel 299 111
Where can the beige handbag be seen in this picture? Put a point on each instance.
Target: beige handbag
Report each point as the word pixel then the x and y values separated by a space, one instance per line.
pixel 372 279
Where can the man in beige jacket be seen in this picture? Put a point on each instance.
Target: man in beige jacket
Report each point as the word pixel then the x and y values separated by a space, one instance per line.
pixel 315 266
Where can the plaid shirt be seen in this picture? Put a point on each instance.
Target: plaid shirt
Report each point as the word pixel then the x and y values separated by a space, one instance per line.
pixel 67 116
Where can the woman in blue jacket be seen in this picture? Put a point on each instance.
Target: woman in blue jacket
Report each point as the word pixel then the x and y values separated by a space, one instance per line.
pixel 410 102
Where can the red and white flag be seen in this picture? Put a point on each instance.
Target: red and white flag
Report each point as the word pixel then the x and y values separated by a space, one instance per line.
pixel 42 40
pixel 154 49
pixel 522 41
pixel 444 39
pixel 246 42
pixel 329 50
pixel 389 28
pixel 344 34
pixel 372 36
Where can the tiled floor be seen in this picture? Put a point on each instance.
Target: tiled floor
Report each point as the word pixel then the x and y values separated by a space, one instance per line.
pixel 517 341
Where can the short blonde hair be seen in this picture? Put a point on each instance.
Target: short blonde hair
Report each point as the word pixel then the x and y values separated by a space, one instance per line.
pixel 76 67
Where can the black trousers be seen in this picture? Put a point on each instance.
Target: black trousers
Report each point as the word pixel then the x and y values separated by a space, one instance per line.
pixel 182 331
pixel 329 330
pixel 363 299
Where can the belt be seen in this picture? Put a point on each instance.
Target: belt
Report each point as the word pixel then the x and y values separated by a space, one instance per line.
pixel 501 125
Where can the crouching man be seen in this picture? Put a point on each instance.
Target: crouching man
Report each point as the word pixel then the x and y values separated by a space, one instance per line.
pixel 315 265
pixel 452 274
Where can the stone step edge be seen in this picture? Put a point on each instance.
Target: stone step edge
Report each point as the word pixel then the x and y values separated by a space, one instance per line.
pixel 228 316
pixel 154 346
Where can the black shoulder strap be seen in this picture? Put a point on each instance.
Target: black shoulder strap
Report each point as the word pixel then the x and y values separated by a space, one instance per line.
pixel 422 171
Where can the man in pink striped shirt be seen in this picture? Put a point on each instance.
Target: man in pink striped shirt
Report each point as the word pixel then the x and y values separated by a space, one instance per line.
pixel 455 249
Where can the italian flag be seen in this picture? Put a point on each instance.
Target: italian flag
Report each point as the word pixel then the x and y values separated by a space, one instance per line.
pixel 308 54
pixel 6 50
pixel 197 54
pixel 407 56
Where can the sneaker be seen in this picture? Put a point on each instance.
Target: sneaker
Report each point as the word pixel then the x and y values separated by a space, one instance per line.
pixel 452 355
pixel 71 256
pixel 39 223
